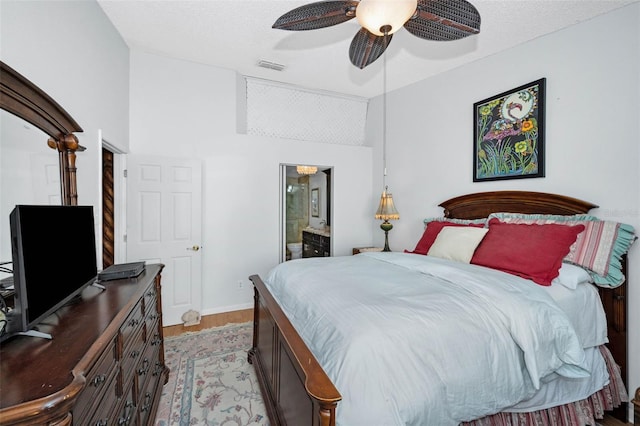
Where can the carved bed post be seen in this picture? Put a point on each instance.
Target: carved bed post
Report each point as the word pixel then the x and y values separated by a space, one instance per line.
pixel 67 145
pixel 327 414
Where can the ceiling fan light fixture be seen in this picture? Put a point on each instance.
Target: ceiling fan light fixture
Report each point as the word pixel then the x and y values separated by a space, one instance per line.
pixel 375 14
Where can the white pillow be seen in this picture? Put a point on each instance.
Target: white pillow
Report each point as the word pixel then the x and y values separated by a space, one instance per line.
pixel 457 243
pixel 571 275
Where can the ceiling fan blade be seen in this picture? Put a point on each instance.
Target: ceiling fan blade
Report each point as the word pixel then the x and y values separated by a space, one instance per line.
pixel 444 20
pixel 317 15
pixel 366 48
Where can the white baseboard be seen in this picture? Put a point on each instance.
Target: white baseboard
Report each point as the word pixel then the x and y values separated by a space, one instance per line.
pixel 223 309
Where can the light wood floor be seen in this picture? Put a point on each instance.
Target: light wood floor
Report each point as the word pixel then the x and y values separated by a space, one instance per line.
pixel 610 421
pixel 210 321
pixel 218 320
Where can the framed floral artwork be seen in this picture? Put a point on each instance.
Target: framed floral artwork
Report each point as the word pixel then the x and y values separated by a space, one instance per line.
pixel 508 134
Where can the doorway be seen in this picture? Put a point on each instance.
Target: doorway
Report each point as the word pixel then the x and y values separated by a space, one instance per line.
pixel 305 211
pixel 111 215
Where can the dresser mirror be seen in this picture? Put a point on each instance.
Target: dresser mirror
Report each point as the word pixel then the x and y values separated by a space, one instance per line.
pixel 37 150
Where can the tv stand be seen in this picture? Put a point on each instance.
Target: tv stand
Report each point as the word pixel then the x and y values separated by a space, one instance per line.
pixel 98 285
pixel 105 365
pixel 35 333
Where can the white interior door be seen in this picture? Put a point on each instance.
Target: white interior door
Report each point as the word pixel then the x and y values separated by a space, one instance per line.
pixel 164 225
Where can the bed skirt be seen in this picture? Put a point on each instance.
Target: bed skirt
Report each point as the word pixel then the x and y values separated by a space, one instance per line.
pixel 579 413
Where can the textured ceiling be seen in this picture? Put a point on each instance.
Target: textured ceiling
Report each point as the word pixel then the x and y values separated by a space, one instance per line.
pixel 237 34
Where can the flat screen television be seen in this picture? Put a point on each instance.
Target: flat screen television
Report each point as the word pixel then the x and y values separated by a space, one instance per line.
pixel 54 258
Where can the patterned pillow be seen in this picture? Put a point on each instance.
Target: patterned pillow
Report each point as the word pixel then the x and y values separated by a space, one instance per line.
pixel 599 248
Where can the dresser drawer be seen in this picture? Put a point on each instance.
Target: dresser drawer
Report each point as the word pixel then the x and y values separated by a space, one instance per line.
pixel 125 414
pixel 145 369
pixel 150 301
pixel 151 319
pixel 131 325
pixel 100 380
pixel 132 338
pixel 104 412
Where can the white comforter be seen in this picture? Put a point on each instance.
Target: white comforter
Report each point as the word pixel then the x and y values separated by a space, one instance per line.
pixel 416 340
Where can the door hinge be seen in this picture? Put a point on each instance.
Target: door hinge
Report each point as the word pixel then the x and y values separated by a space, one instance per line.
pixel 124 238
pixel 125 172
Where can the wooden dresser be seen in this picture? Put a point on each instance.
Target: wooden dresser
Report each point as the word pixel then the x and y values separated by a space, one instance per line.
pixel 636 408
pixel 104 366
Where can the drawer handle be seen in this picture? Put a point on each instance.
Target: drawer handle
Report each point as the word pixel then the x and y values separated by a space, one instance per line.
pixel 133 322
pixel 145 367
pixel 158 369
pixel 156 340
pixel 151 293
pixel 147 402
pixel 127 414
pixel 124 420
pixel 134 354
pixel 102 422
pixel 98 380
pixel 153 317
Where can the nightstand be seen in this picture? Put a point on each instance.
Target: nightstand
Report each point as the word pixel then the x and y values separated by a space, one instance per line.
pixel 636 408
pixel 357 250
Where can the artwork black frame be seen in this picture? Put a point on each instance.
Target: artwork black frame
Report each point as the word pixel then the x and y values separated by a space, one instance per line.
pixel 508 134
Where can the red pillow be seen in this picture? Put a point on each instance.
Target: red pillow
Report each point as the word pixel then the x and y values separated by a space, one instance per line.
pixel 432 230
pixel 534 252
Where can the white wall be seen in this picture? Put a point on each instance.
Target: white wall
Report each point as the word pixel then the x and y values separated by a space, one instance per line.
pixel 592 145
pixel 185 109
pixel 72 52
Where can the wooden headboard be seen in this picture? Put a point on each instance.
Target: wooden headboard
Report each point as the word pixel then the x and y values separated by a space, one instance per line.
pixel 481 204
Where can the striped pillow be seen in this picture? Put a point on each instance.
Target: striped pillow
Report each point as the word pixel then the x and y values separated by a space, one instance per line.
pixel 599 248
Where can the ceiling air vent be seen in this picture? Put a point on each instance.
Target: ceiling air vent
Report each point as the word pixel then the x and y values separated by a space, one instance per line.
pixel 270 65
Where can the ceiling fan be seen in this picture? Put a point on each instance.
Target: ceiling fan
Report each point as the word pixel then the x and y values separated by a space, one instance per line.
pixel 440 20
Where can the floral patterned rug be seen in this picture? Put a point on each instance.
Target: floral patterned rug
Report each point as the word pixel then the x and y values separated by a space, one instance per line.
pixel 211 383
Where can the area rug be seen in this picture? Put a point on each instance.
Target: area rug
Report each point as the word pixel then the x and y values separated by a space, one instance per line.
pixel 211 383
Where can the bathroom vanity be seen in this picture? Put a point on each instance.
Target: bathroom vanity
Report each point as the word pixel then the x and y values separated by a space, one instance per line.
pixel 315 243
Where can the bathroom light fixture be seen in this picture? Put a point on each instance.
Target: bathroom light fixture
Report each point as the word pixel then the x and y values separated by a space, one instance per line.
pixel 386 210
pixel 306 170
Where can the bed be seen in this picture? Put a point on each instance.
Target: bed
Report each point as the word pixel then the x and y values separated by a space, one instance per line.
pixel 297 389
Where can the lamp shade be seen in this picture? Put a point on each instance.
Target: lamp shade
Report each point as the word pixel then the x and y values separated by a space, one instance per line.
pixel 375 14
pixel 386 209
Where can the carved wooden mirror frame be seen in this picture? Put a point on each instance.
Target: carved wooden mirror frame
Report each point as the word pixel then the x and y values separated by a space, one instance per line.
pixel 24 99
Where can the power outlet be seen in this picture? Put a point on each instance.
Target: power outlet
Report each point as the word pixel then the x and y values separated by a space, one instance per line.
pixel 240 285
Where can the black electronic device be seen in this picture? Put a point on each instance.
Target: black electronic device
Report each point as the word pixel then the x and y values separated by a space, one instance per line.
pixel 54 258
pixel 121 271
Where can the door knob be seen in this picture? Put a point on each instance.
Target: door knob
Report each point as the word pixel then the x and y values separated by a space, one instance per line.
pixel 194 248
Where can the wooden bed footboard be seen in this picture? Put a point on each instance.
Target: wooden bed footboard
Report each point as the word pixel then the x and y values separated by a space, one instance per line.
pixel 295 388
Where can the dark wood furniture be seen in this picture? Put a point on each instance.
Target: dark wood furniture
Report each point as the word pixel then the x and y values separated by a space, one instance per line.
pixel 297 391
pixel 24 99
pixel 358 250
pixel 104 365
pixel 636 410
pixel 315 245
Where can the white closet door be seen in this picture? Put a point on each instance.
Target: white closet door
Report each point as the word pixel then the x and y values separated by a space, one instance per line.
pixel 164 223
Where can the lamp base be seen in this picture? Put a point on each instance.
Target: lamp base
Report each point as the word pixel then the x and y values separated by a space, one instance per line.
pixel 386 226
